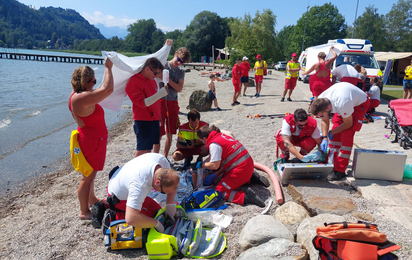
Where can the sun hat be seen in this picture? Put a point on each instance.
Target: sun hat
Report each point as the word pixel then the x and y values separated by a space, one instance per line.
pixel 245 58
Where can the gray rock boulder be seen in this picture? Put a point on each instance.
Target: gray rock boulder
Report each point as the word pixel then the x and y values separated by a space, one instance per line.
pixel 291 213
pixel 200 100
pixel 251 82
pixel 261 229
pixel 277 248
pixel 307 231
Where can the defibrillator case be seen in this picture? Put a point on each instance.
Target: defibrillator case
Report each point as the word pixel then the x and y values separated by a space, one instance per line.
pixel 121 236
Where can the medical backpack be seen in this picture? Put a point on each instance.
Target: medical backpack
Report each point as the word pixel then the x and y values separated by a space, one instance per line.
pixel 353 241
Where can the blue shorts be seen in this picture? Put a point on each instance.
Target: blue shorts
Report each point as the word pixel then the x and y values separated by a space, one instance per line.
pixel 244 79
pixel 405 81
pixel 211 95
pixel 147 134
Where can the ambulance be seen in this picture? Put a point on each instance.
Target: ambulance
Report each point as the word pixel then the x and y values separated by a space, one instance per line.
pixel 352 52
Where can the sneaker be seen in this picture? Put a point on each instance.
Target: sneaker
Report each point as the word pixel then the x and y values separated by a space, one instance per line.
pixel 187 162
pixel 233 104
pixel 260 180
pixel 252 198
pixel 257 95
pixel 336 176
pixel 244 95
pixel 98 210
pixel 282 99
pixel 237 102
pixel 289 99
pixel 218 109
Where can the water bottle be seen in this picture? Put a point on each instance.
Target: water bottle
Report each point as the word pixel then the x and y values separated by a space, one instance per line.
pixel 407 173
pixel 165 76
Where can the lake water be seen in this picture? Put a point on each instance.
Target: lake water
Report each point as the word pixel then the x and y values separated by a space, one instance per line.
pixel 35 122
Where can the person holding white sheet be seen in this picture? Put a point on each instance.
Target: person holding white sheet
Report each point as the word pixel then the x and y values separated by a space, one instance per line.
pixel 143 91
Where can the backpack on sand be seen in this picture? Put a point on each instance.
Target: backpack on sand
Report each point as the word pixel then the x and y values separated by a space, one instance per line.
pixel 352 241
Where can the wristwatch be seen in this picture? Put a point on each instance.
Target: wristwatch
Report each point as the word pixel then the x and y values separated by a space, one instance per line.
pixel 323 137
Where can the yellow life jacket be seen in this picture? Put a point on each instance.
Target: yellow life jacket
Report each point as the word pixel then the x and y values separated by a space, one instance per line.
pixel 292 65
pixel 78 160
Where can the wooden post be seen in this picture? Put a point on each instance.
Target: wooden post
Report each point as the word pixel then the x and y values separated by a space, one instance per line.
pixel 213 57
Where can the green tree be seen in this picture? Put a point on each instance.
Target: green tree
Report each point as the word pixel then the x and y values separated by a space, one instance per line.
pixel 371 25
pixel 323 23
pixel 158 40
pixel 140 34
pixel 399 26
pixel 252 36
pixel 206 29
pixel 176 36
pixel 283 41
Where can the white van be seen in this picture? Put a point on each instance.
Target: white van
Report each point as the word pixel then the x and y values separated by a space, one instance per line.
pixel 353 51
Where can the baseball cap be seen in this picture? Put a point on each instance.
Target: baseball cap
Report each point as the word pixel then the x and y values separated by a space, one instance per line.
pixel 245 58
pixel 294 55
pixel 258 56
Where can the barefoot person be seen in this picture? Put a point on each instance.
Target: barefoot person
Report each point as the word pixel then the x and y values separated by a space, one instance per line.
pixel 92 137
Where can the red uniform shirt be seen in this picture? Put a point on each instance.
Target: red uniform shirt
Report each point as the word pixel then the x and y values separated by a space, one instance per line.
pixel 236 74
pixel 244 68
pixel 138 88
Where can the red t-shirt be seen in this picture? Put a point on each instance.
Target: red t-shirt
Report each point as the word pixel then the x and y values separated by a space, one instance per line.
pixel 236 74
pixel 244 68
pixel 138 88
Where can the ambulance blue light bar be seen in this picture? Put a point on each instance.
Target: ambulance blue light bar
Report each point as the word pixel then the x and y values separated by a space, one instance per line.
pixel 340 41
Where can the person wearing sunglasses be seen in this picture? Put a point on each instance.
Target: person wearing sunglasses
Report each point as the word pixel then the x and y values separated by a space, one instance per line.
pixel 298 130
pixel 349 105
pixel 131 184
pixel 145 95
pixel 92 132
pixel 169 107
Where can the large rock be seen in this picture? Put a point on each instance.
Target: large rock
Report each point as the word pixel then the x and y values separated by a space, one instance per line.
pixel 291 213
pixel 277 248
pixel 261 229
pixel 307 231
pixel 200 100
pixel 251 82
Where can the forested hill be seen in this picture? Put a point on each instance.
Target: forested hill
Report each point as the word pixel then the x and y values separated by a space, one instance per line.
pixel 23 26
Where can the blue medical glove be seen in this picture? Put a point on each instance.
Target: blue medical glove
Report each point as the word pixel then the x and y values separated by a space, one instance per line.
pixel 316 156
pixel 198 165
pixel 324 145
pixel 306 158
pixel 330 135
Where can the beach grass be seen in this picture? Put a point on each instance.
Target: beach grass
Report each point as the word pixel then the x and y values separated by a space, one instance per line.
pixel 391 94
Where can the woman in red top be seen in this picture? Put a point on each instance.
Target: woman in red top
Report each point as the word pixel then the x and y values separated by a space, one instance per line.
pixel 89 116
pixel 320 81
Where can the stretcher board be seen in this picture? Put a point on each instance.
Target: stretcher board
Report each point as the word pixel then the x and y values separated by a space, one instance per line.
pixel 290 171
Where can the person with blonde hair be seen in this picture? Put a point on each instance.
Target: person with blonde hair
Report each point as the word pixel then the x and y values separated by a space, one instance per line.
pixel 92 137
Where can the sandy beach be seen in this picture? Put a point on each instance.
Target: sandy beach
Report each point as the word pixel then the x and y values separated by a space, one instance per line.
pixel 40 221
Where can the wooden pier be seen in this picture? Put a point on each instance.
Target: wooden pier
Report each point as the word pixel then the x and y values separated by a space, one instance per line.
pixel 54 58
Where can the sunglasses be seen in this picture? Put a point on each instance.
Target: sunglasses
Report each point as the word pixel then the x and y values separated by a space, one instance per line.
pixel 179 60
pixel 299 125
pixel 161 189
pixel 93 81
pixel 155 73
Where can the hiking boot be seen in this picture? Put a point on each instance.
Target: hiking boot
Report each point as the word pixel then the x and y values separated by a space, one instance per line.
pixel 289 99
pixel 252 198
pixel 187 162
pixel 260 180
pixel 336 176
pixel 98 210
pixel 282 99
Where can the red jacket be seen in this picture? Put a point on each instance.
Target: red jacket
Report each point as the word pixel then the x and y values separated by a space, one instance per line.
pixel 138 88
pixel 307 130
pixel 236 74
pixel 234 154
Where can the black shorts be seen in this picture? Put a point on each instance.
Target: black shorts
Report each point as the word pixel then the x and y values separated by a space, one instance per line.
pixel 147 134
pixel 211 95
pixel 244 79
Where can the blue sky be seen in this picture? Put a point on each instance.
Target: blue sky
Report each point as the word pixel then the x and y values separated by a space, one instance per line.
pixel 171 15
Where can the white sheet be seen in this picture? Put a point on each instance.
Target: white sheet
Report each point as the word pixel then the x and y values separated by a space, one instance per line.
pixel 312 53
pixel 123 68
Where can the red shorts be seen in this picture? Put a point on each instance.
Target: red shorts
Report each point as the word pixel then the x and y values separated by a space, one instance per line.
pixel 94 150
pixel 237 87
pixel 291 83
pixel 373 104
pixel 258 78
pixel 306 143
pixel 188 152
pixel 319 85
pixel 169 116
pixel 353 81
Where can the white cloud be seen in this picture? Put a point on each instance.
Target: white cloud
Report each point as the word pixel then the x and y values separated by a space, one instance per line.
pixel 108 20
pixel 167 28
